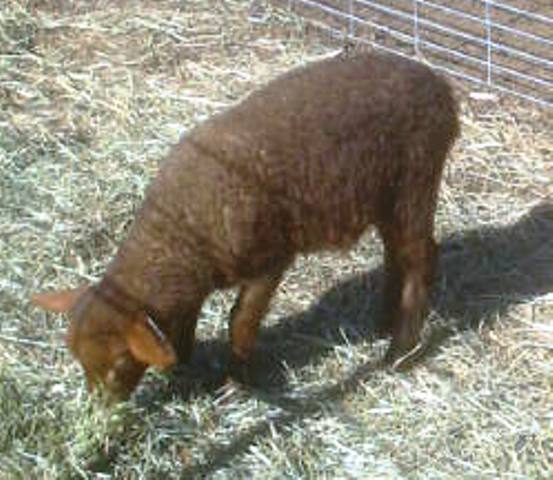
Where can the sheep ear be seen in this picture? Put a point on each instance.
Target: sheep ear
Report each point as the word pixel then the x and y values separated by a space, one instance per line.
pixel 60 301
pixel 148 344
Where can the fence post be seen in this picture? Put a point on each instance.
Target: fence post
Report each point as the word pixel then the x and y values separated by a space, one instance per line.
pixel 416 27
pixel 488 41
pixel 351 26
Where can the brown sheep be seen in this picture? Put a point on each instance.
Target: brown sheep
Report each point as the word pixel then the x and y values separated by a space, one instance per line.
pixel 305 163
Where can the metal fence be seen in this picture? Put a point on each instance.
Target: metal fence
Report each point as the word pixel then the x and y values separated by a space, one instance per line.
pixel 506 45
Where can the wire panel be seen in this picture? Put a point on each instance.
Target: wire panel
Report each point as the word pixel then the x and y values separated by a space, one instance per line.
pixel 506 45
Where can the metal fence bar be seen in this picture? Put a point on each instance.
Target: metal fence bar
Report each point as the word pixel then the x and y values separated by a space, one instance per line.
pixel 453 11
pixel 488 42
pixel 485 63
pixel 382 8
pixel 416 26
pixel 518 11
pixel 351 22
pixel 529 36
pixel 339 35
pixel 489 66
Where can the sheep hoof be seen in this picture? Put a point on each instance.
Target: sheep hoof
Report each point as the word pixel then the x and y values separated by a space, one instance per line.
pixel 401 359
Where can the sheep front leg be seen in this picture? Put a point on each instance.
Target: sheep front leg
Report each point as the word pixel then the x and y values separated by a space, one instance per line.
pixel 183 333
pixel 251 306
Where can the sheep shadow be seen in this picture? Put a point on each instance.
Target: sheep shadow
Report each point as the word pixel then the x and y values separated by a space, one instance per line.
pixel 482 273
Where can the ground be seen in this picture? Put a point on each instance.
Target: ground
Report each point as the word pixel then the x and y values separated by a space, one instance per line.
pixel 92 94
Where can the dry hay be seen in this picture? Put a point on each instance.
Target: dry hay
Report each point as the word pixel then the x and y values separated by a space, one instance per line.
pixel 91 96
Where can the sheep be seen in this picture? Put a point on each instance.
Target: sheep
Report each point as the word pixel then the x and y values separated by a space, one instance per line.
pixel 305 163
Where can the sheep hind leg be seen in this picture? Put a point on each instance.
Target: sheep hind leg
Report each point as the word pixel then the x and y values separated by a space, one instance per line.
pixel 410 265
